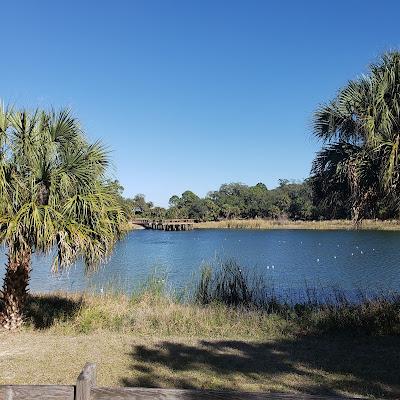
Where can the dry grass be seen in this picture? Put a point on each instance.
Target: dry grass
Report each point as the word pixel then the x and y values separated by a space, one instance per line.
pixel 287 224
pixel 150 314
pixel 331 366
pixel 147 314
pixel 153 341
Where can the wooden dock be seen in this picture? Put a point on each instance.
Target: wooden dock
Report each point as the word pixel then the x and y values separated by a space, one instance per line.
pixel 86 389
pixel 166 224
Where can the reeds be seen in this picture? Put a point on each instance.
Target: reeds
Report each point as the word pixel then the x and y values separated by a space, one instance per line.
pixel 229 284
pixel 320 310
pixel 288 224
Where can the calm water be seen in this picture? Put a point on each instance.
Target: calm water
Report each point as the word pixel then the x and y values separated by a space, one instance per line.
pixel 290 258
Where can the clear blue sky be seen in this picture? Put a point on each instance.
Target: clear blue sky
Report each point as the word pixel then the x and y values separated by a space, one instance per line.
pixel 191 94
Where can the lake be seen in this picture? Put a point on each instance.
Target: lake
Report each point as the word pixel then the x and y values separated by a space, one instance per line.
pixel 290 259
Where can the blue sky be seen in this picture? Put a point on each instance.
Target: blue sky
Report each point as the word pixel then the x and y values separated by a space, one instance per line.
pixel 191 94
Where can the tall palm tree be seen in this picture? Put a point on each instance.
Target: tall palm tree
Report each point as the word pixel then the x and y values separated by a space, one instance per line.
pixel 54 198
pixel 360 128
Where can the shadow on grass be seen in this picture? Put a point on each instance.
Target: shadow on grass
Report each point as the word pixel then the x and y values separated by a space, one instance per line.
pixel 331 366
pixel 42 311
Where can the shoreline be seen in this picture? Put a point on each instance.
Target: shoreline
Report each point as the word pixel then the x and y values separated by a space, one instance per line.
pixel 261 224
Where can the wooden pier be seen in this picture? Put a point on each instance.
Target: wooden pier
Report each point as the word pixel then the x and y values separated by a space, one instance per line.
pixel 85 388
pixel 166 224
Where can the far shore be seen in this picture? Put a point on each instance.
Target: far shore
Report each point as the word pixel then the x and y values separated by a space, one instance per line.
pixel 389 225
pixel 267 224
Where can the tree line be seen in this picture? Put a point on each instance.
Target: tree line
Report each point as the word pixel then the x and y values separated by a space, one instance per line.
pixel 293 200
pixel 232 200
pixel 290 200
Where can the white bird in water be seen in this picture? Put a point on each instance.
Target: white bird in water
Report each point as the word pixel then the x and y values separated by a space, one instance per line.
pixel 317 259
pixel 334 256
pixel 273 266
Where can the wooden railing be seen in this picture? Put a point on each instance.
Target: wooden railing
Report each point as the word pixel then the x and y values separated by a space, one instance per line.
pixel 163 221
pixel 166 224
pixel 86 389
pixel 140 221
pixel 176 221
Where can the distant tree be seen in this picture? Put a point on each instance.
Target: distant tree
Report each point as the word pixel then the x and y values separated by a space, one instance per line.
pixel 301 201
pixel 281 201
pixel 262 186
pixel 174 201
pixel 188 198
pixel 157 212
pixel 229 212
pixel 231 199
pixel 213 210
pixel 189 205
pixel 141 206
pixel 258 202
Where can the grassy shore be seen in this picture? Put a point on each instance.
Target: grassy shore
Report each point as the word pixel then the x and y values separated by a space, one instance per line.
pixel 287 224
pixel 152 339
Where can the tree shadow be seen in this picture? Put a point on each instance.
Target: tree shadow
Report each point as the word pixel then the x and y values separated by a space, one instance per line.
pixel 331 366
pixel 42 311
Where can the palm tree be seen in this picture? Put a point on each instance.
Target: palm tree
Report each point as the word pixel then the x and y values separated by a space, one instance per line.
pixel 53 198
pixel 360 128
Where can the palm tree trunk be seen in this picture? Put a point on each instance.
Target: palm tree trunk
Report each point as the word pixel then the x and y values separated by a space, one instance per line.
pixel 15 289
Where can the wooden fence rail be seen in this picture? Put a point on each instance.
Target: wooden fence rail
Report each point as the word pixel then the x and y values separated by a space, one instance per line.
pixel 86 389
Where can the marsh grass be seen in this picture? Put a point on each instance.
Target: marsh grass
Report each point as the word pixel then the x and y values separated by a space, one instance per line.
pixel 229 284
pixel 320 311
pixel 389 225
